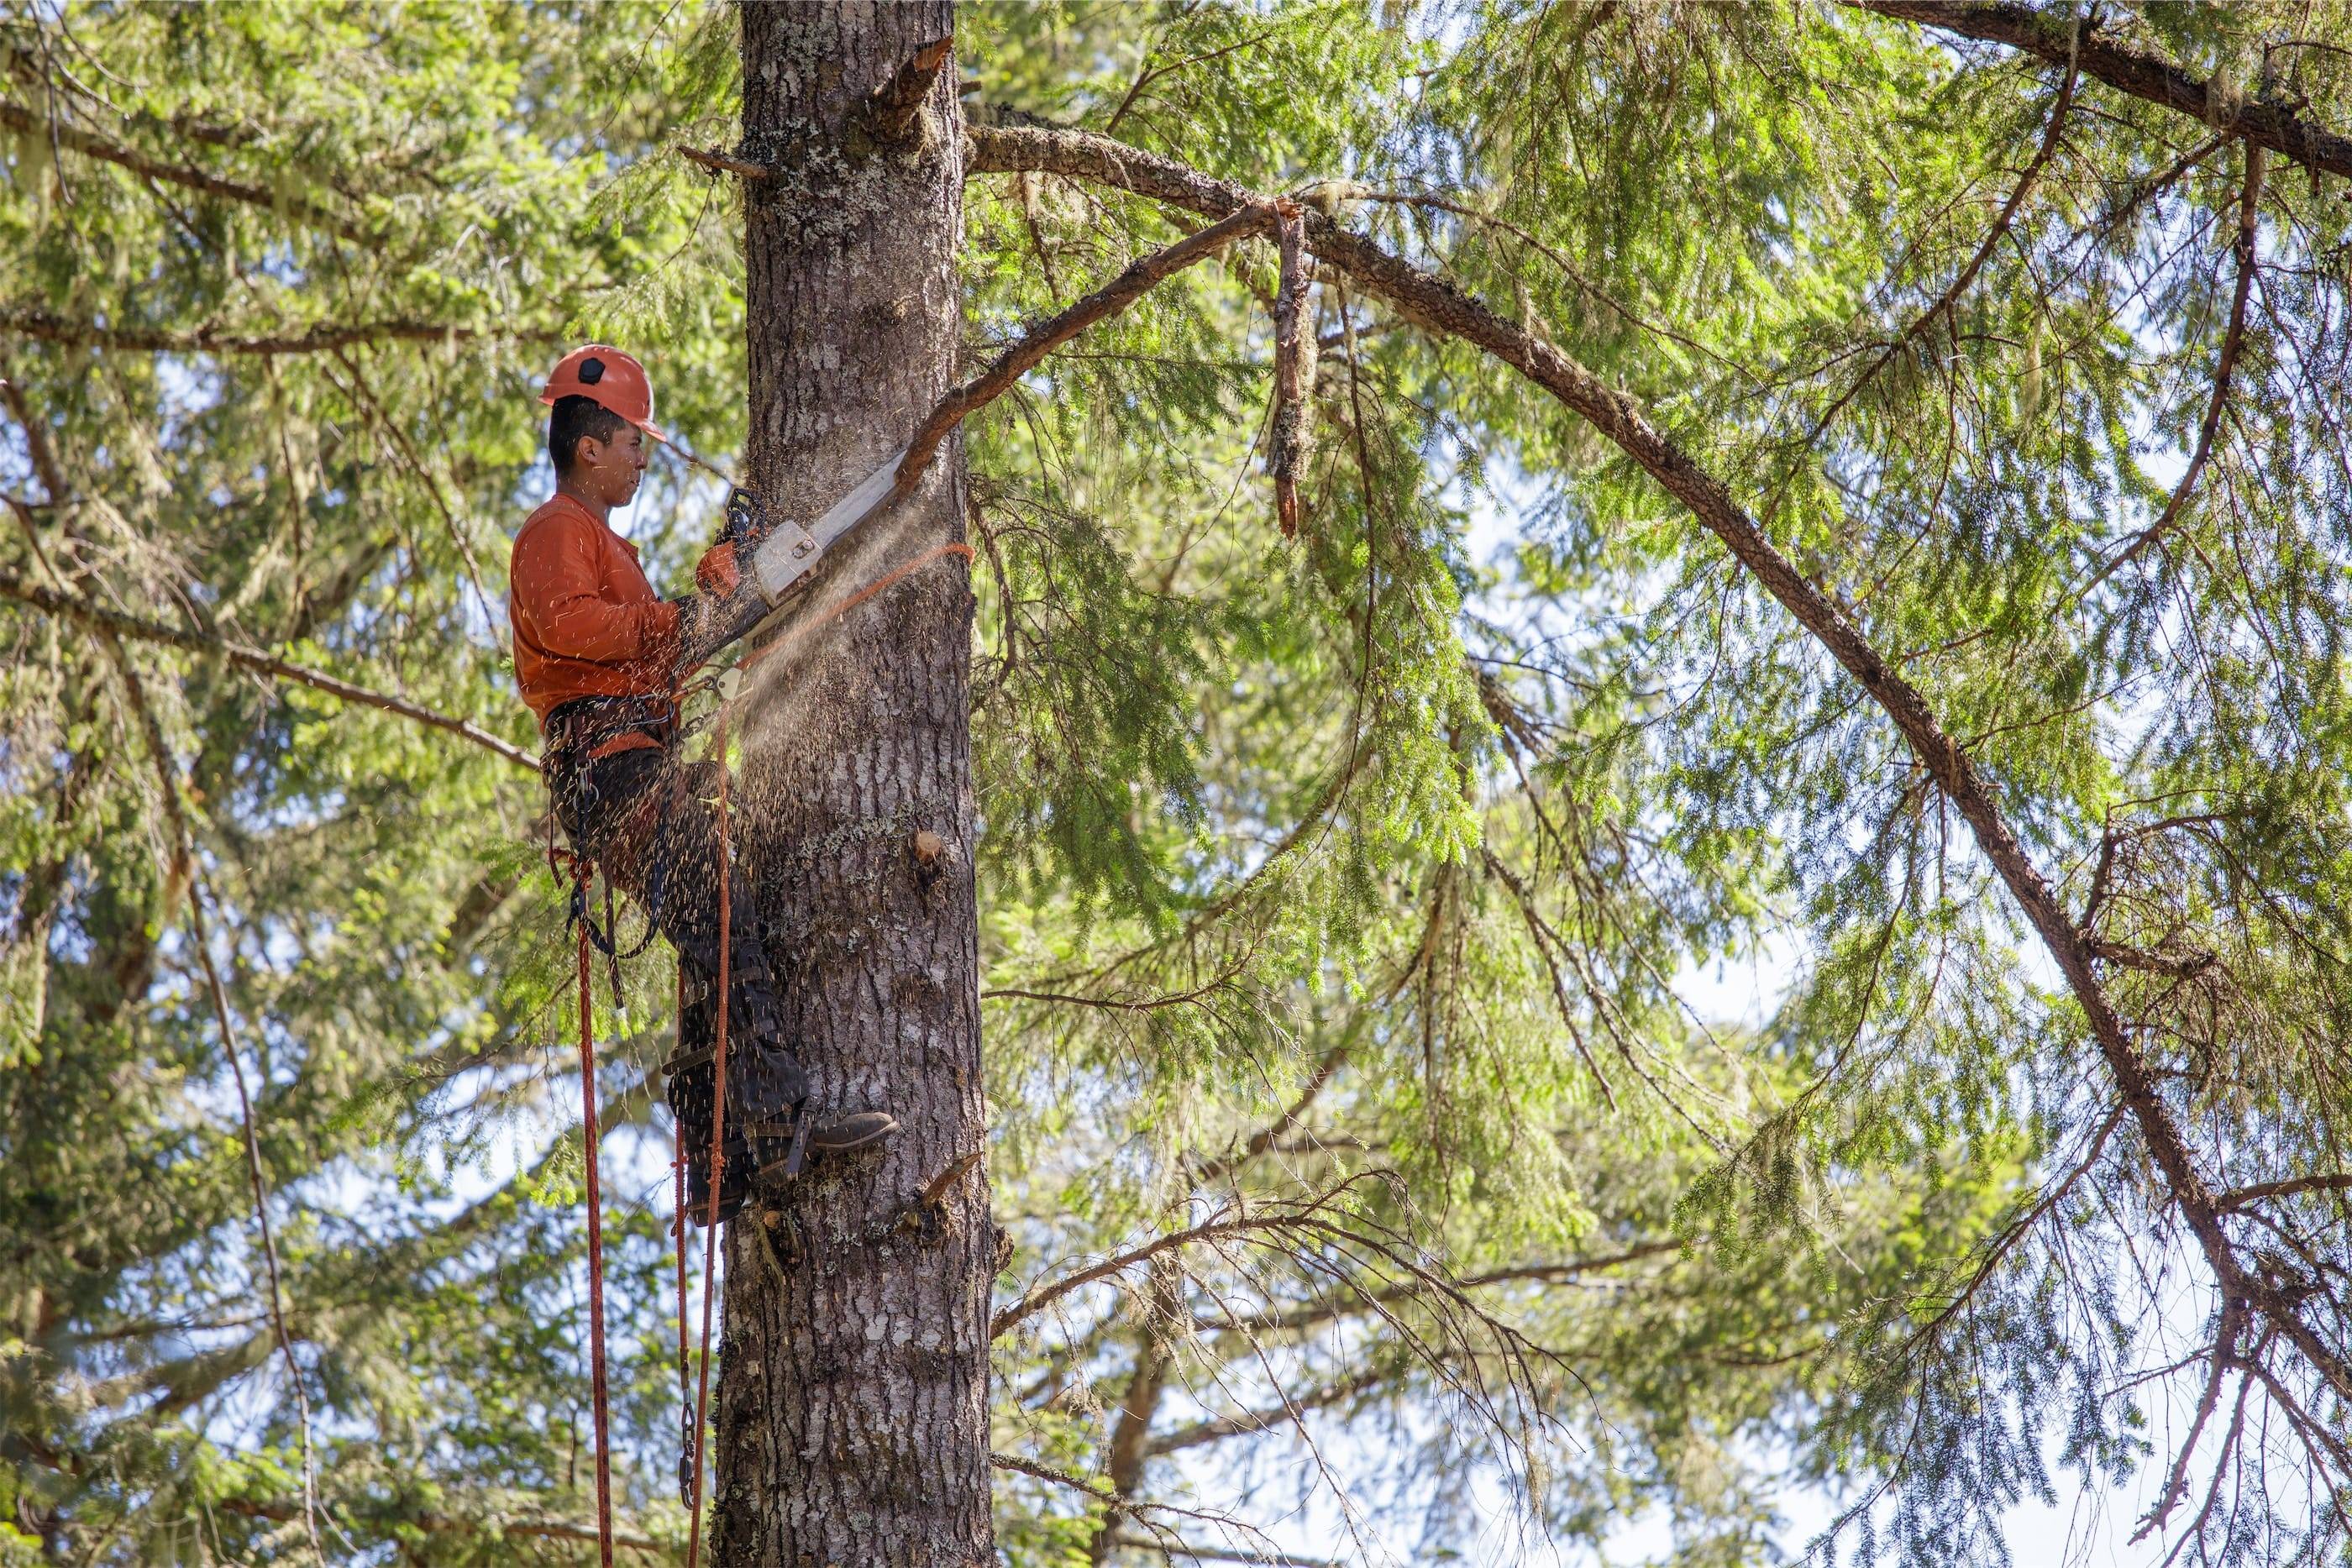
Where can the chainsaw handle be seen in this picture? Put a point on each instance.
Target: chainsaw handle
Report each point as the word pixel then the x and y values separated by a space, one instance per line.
pixel 745 522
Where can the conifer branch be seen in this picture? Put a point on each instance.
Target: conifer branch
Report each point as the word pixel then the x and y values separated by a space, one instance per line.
pixel 1139 275
pixel 1244 1423
pixel 113 623
pixel 2229 1202
pixel 42 326
pixel 1947 303
pixel 430 1523
pixel 201 936
pixel 2224 368
pixel 17 118
pixel 2264 122
pixel 1230 1220
pixel 1441 307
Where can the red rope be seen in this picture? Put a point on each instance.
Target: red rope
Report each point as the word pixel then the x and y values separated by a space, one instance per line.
pixel 677 1157
pixel 717 1139
pixel 595 1256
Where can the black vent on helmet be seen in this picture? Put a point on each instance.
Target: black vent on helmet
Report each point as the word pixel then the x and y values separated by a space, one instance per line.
pixel 591 371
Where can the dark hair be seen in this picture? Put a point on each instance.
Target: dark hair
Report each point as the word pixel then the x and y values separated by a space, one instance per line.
pixel 574 417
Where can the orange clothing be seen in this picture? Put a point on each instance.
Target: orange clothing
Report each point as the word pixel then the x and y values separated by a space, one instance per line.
pixel 586 622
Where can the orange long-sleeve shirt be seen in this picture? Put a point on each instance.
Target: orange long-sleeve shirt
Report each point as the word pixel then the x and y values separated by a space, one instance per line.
pixel 586 622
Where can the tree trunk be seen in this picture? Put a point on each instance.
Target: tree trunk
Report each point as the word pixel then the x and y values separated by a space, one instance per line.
pixel 853 1405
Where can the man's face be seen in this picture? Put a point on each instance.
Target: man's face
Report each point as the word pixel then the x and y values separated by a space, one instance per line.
pixel 612 469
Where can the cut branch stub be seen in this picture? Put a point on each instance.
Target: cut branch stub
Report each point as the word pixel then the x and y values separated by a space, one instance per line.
pixel 724 163
pixel 891 108
pixel 1293 366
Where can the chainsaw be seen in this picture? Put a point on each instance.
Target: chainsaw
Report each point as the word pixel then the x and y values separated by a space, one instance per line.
pixel 781 553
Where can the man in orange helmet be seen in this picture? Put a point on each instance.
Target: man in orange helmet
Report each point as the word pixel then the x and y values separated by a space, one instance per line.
pixel 597 652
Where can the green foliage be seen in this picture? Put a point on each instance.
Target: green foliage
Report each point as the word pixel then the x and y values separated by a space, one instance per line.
pixel 1358 881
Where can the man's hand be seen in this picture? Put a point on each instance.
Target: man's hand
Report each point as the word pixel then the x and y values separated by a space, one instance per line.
pixel 716 574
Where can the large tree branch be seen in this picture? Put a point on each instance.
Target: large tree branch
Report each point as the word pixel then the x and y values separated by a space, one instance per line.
pixel 113 623
pixel 2263 121
pixel 1252 217
pixel 1441 307
pixel 747 610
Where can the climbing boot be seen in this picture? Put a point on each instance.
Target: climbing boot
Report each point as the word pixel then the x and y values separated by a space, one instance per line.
pixel 784 1147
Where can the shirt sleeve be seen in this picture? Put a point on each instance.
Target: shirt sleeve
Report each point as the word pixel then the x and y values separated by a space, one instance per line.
pixel 555 586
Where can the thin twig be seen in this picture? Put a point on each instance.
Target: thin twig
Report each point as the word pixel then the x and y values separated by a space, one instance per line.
pixel 235 1052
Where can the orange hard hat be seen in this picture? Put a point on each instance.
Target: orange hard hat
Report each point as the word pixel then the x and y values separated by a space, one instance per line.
pixel 608 378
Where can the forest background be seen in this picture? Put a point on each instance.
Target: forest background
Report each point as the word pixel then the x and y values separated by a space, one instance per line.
pixel 1916 433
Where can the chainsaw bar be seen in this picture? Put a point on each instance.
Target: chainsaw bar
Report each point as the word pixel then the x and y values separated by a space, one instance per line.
pixel 790 551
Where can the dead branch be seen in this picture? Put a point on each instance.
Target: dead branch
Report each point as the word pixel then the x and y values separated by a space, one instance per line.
pixel 724 163
pixel 1294 368
pixel 2261 122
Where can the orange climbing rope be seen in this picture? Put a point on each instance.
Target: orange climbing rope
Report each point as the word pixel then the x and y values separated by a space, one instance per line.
pixel 718 1141
pixel 596 1247
pixel 677 1158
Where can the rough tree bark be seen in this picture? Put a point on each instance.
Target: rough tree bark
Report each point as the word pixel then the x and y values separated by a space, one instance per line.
pixel 852 1411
